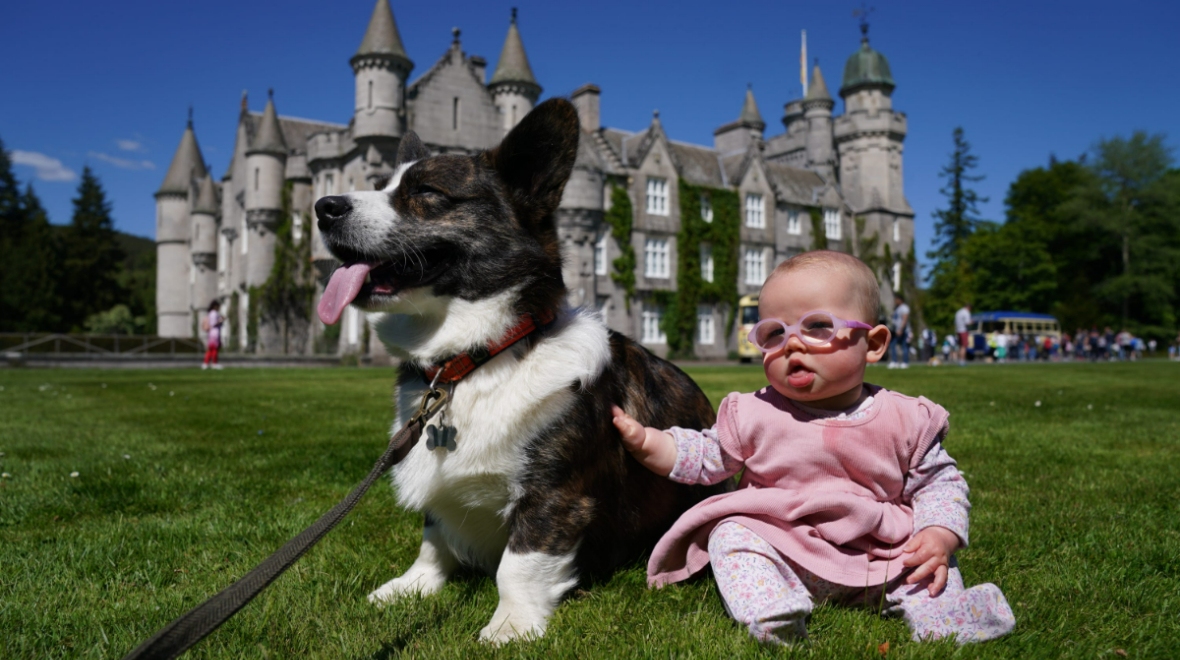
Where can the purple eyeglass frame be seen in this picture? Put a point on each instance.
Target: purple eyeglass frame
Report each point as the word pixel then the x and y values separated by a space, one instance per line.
pixel 788 330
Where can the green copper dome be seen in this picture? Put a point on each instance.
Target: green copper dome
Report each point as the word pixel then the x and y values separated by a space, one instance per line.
pixel 866 67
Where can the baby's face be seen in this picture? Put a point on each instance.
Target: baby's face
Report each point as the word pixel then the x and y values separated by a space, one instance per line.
pixel 828 376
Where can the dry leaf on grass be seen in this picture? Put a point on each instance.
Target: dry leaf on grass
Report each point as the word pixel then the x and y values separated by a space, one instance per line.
pixel 883 648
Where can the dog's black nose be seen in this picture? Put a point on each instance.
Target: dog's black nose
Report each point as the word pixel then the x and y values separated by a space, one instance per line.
pixel 331 210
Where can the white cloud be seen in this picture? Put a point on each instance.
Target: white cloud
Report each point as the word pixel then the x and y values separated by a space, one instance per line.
pixel 48 169
pixel 123 163
pixel 131 145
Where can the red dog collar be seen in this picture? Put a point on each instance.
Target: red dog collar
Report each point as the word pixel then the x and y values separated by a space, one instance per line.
pixel 459 366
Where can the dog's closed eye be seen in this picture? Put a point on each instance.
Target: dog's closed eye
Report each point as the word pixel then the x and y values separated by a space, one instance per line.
pixel 427 191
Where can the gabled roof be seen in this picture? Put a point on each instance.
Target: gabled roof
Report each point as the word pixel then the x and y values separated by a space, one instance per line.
pixel 268 139
pixel 382 37
pixel 206 197
pixel 513 66
pixel 698 165
pixel 187 164
pixel 795 185
pixel 455 52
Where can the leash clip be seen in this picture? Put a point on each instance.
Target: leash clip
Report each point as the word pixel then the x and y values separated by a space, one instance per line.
pixel 432 402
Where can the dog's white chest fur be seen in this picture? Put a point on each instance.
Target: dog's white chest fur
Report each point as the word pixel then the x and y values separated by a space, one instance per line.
pixel 497 410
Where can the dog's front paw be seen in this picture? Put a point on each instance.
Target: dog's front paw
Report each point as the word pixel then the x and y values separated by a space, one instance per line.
pixel 510 623
pixel 414 582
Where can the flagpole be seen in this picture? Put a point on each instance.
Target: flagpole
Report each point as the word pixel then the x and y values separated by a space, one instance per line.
pixel 803 63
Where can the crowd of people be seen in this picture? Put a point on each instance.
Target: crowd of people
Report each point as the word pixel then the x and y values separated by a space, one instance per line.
pixel 1084 345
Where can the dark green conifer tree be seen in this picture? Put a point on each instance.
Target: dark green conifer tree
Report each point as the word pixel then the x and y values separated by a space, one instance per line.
pixel 91 256
pixel 28 258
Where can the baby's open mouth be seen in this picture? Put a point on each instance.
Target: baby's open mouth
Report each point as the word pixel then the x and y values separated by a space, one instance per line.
pixel 799 375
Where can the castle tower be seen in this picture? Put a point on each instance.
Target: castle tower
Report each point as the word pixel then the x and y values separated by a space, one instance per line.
pixel 869 137
pixel 203 242
pixel 747 130
pixel 817 110
pixel 381 68
pixel 266 161
pixel 173 311
pixel 514 89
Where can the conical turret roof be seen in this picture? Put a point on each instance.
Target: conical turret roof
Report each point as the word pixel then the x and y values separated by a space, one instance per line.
pixel 513 66
pixel 818 90
pixel 750 114
pixel 206 197
pixel 382 38
pixel 269 138
pixel 187 163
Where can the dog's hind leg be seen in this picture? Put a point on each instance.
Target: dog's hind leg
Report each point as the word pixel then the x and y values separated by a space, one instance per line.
pixel 531 585
pixel 427 575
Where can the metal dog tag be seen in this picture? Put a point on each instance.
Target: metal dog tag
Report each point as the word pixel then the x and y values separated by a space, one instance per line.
pixel 441 436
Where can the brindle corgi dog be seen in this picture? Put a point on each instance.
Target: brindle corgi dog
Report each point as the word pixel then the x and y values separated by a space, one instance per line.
pixel 530 482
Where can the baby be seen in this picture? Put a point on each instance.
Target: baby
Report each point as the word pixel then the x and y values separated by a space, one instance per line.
pixel 846 494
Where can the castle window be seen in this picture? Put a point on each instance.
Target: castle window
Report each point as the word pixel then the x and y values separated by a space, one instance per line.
pixel 657 195
pixel 706 331
pixel 655 258
pixel 245 236
pixel 600 255
pixel 351 184
pixel 755 213
pixel 896 230
pixel 755 266
pixel 329 184
pixel 706 262
pixel 897 276
pixel 514 114
pixel 653 318
pixel 793 225
pixel 832 224
pixel 706 209
pixel 256 178
pixel 370 94
pixel 297 227
pixel 455 114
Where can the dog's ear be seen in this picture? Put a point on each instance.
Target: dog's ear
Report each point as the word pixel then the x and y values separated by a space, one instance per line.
pixel 535 159
pixel 410 149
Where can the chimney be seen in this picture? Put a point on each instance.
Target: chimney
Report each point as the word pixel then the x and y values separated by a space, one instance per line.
pixel 585 99
pixel 480 65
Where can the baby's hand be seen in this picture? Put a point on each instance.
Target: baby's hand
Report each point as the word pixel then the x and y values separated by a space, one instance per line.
pixel 655 449
pixel 932 548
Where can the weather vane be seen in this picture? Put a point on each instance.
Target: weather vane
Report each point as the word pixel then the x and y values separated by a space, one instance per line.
pixel 863 15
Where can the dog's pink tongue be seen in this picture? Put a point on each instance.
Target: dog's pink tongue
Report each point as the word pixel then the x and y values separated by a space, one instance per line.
pixel 346 282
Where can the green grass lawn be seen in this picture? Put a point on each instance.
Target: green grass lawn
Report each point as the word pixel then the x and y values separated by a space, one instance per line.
pixel 187 479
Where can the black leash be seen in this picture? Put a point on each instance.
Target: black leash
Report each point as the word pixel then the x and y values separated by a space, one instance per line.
pixel 191 627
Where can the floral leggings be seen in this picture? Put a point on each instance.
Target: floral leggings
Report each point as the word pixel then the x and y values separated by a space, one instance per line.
pixel 773 596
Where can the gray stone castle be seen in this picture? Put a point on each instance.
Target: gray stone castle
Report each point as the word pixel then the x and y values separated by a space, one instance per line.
pixel 216 240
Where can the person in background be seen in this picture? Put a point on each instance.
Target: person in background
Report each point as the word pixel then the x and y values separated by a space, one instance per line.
pixel 900 327
pixel 212 327
pixel 962 322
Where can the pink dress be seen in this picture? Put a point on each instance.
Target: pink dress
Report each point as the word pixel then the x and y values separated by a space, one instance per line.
pixel 826 493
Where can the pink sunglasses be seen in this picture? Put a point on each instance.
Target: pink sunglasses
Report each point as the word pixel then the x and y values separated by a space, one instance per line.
pixel 815 328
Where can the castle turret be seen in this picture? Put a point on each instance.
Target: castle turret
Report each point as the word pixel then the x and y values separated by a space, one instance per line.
pixel 173 311
pixel 747 130
pixel 203 242
pixel 266 160
pixel 817 110
pixel 869 137
pixel 514 89
pixel 381 68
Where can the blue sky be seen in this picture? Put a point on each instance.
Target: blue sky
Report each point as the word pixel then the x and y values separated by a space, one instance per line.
pixel 108 84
